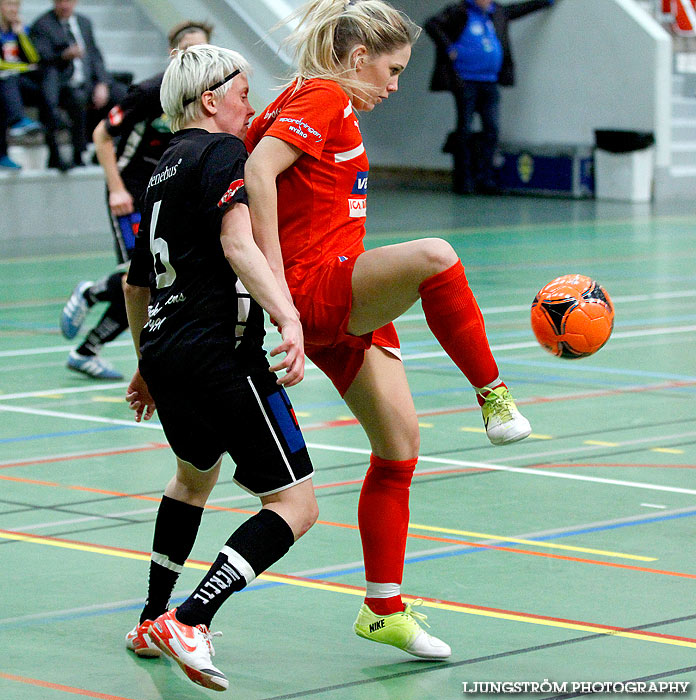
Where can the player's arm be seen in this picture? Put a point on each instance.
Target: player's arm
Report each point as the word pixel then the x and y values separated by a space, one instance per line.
pixel 137 297
pixel 252 268
pixel 271 157
pixel 120 199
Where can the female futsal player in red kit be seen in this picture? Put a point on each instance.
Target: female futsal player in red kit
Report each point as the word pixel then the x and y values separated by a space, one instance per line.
pixel 306 180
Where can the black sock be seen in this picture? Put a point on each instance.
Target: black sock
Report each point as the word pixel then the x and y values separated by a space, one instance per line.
pixel 253 547
pixel 176 528
pixel 112 324
pixel 106 289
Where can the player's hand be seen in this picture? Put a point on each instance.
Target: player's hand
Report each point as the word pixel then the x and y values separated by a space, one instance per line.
pixel 100 95
pixel 139 399
pixel 293 347
pixel 121 202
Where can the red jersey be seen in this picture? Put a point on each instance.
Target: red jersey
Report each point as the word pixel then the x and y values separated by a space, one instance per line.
pixel 322 196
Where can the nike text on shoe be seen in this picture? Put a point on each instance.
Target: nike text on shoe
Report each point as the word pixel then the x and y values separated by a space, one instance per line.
pixel 191 648
pixel 401 630
pixel 92 365
pixel 138 640
pixel 504 423
pixel 75 311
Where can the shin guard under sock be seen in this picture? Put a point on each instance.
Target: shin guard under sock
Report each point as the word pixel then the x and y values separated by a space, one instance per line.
pixel 456 321
pixel 251 549
pixel 383 519
pixel 176 528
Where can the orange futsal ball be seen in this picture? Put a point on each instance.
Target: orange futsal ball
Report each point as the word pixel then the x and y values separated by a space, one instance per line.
pixel 572 316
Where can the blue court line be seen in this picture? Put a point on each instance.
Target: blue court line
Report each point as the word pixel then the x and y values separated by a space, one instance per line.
pixel 344 572
pixel 66 433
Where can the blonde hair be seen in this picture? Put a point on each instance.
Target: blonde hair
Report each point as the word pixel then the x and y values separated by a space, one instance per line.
pixel 191 73
pixel 328 30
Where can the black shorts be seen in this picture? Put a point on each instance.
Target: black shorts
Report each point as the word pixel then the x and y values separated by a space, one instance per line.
pixel 251 419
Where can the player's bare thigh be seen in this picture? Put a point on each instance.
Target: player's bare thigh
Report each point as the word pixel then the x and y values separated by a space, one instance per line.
pixel 385 280
pixel 381 400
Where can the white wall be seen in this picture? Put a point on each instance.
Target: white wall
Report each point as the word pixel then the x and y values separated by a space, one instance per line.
pixel 236 27
pixel 581 65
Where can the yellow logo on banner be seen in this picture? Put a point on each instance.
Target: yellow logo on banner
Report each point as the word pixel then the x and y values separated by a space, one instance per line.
pixel 525 167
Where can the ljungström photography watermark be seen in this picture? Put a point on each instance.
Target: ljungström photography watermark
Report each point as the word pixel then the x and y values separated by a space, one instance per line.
pixel 587 687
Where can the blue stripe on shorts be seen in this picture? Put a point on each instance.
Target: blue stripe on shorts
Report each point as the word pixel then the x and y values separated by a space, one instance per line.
pixel 280 406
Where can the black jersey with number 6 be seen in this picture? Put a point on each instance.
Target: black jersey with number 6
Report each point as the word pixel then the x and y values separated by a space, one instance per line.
pixel 203 326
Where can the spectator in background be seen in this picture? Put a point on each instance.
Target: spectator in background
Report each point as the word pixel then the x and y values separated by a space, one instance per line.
pixel 473 58
pixel 129 143
pixel 18 58
pixel 73 76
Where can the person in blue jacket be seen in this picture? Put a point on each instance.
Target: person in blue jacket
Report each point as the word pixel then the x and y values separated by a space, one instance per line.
pixel 474 57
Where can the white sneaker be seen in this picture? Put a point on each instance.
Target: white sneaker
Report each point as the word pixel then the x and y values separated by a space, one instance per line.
pixel 75 311
pixel 138 641
pixel 504 423
pixel 191 648
pixel 403 631
pixel 92 365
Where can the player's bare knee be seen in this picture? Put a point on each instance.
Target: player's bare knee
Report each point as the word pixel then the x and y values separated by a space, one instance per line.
pixel 438 255
pixel 309 517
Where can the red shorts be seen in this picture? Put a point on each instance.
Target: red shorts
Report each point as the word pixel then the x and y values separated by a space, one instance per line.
pixel 324 298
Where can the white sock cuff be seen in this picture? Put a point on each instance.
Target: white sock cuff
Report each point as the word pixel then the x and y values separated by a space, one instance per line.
pixel 166 562
pixel 491 385
pixel 239 563
pixel 382 590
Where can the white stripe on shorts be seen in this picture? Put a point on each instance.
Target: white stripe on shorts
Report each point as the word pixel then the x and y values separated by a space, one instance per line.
pixel 239 563
pixel 166 562
pixel 270 427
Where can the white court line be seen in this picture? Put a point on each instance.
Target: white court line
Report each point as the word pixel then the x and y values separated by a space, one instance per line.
pixel 66 390
pixel 436 460
pixel 533 344
pixel 80 416
pixel 528 471
pixel 591 448
pixel 419 317
pixel 516 308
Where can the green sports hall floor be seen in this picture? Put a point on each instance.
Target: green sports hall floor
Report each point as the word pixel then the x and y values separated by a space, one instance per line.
pixel 567 557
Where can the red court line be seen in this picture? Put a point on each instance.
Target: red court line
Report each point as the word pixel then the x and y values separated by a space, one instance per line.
pixel 84 455
pixel 339 586
pixel 429 538
pixel 63 688
pixel 522 402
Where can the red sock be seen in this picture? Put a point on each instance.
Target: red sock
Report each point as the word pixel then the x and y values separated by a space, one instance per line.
pixel 456 321
pixel 383 519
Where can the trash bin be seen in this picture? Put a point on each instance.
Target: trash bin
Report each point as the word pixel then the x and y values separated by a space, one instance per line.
pixel 624 165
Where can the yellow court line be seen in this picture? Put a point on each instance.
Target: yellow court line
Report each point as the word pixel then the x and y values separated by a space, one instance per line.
pixel 352 590
pixel 550 545
pixel 668 450
pixel 601 443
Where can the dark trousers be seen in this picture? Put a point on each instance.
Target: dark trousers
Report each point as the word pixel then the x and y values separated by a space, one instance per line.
pixel 3 128
pixel 11 96
pixel 473 97
pixel 57 92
